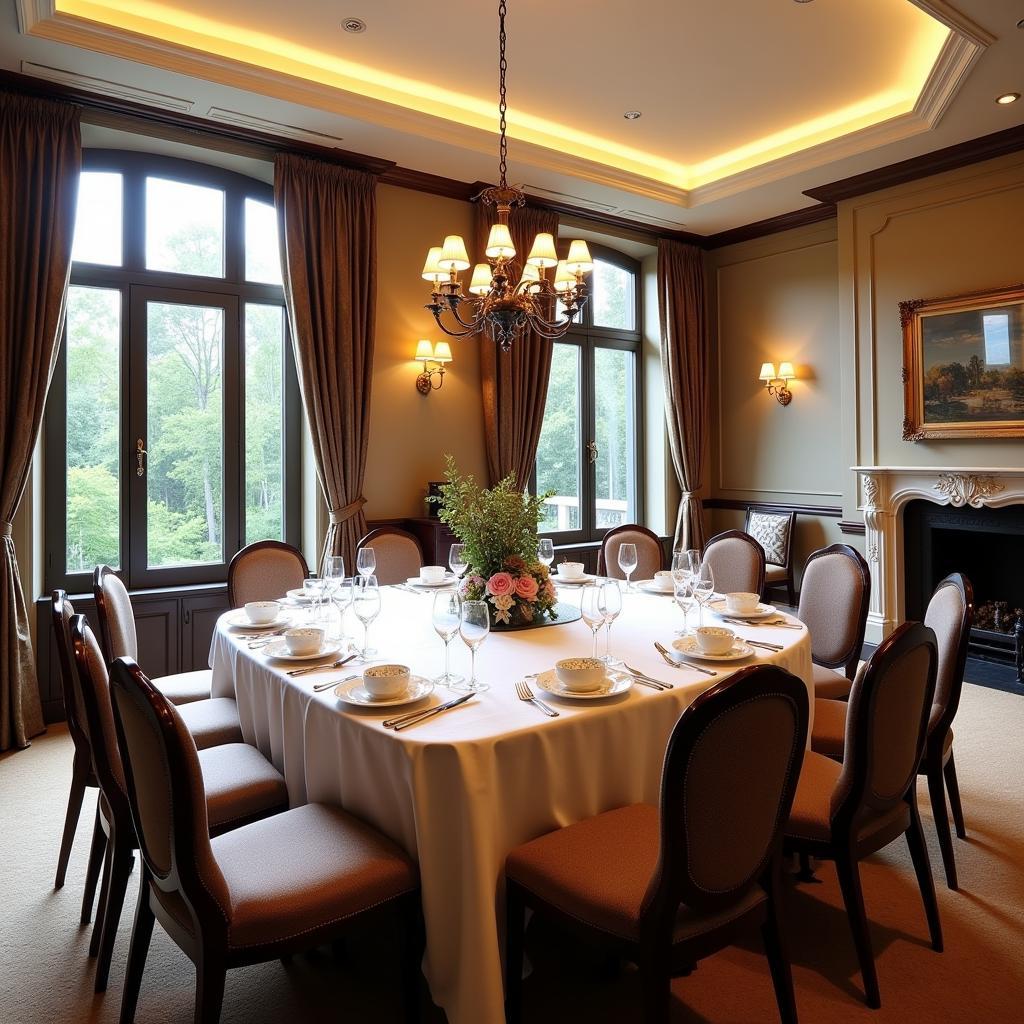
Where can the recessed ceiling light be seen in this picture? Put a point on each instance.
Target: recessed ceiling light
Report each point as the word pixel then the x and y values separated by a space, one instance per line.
pixel 1007 98
pixel 354 25
pixel 632 115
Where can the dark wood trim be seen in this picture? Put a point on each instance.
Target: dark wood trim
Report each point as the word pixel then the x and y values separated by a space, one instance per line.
pixel 771 225
pixel 852 528
pixel 825 511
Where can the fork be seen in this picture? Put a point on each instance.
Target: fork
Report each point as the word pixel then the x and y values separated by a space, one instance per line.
pixel 675 664
pixel 320 668
pixel 780 623
pixel 524 693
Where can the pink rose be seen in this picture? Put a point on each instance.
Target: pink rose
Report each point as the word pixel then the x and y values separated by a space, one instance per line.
pixel 501 584
pixel 526 588
pixel 549 591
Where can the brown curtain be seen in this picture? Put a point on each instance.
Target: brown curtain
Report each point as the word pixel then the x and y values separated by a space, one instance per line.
pixel 684 363
pixel 328 229
pixel 40 157
pixel 515 383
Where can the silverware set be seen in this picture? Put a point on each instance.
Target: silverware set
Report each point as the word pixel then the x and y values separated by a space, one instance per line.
pixel 663 651
pixel 763 645
pixel 321 668
pixel 780 623
pixel 415 717
pixel 640 677
pixel 331 683
pixel 524 693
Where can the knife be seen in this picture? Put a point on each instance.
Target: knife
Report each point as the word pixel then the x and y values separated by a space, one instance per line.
pixel 405 723
pixel 650 680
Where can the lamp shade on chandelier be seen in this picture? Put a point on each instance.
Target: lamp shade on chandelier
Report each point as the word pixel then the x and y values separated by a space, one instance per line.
pixel 545 296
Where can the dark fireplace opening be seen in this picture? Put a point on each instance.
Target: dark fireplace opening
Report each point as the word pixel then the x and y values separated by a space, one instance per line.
pixel 985 544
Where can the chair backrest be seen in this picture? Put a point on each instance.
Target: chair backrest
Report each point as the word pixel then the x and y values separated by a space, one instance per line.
pixel 950 613
pixel 737 561
pixel 774 532
pixel 886 726
pixel 398 554
pixel 729 777
pixel 834 595
pixel 167 797
pixel 62 613
pixel 118 638
pixel 649 555
pixel 264 571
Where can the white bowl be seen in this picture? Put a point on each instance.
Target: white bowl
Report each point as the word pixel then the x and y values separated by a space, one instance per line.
pixel 384 681
pixel 262 612
pixel 715 639
pixel 581 675
pixel 431 573
pixel 664 580
pixel 742 602
pixel 304 640
pixel 571 570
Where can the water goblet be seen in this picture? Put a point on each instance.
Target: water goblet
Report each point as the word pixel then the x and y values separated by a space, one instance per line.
pixel 627 561
pixel 546 551
pixel 366 603
pixel 703 588
pixel 457 559
pixel 593 612
pixel 611 606
pixel 682 589
pixel 446 619
pixel 474 626
pixel 366 562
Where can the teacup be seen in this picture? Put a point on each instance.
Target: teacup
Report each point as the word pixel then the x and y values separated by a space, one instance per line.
pixel 304 640
pixel 571 570
pixel 664 580
pixel 384 681
pixel 715 639
pixel 742 602
pixel 262 613
pixel 431 573
pixel 580 675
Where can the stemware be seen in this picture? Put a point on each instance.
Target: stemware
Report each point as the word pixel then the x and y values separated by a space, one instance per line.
pixel 610 605
pixel 682 589
pixel 446 618
pixel 546 551
pixel 313 585
pixel 627 561
pixel 366 562
pixel 343 597
pixel 474 626
pixel 457 559
pixel 366 603
pixel 693 556
pixel 703 582
pixel 593 612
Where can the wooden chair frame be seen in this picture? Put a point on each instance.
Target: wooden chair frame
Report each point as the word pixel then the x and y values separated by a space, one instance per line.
pixel 789 581
pixel 261 545
pixel 740 535
pixel 602 561
pixel 851 659
pixel 387 531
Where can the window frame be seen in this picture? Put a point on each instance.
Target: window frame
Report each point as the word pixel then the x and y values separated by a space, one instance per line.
pixel 135 282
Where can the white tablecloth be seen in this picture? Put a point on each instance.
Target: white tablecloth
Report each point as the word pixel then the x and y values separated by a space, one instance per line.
pixel 461 790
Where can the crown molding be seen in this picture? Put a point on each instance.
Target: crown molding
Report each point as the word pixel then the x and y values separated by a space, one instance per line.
pixel 771 225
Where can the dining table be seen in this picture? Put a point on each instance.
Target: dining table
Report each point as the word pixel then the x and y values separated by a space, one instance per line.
pixel 463 788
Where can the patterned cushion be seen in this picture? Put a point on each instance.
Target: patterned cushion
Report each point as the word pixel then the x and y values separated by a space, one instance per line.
pixel 772 533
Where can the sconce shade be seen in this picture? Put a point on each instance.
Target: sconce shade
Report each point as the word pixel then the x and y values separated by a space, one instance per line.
pixel 454 256
pixel 579 260
pixel 786 371
pixel 424 351
pixel 530 273
pixel 767 372
pixel 543 252
pixel 564 278
pixel 499 243
pixel 442 352
pixel 480 284
pixel 432 267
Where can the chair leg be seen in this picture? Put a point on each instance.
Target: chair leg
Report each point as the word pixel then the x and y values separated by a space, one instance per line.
pixel 101 906
pixel 515 926
pixel 79 773
pixel 919 854
pixel 97 850
pixel 210 977
pixel 953 788
pixel 142 932
pixel 778 959
pixel 123 857
pixel 849 881
pixel 412 955
pixel 937 793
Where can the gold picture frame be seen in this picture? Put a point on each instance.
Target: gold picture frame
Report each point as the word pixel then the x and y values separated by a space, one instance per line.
pixel 963 365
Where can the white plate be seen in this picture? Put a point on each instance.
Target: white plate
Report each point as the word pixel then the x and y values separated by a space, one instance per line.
pixel 300 596
pixel 688 647
pixel 615 683
pixel 762 611
pixel 279 649
pixel 415 581
pixel 576 582
pixel 353 692
pixel 652 588
pixel 240 619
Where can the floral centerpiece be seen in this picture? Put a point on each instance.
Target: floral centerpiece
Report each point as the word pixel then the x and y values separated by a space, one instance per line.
pixel 499 529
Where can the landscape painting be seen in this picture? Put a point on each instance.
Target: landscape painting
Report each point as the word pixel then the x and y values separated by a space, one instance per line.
pixel 964 366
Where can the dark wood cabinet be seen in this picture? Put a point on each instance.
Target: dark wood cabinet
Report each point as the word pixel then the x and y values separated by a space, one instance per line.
pixel 435 538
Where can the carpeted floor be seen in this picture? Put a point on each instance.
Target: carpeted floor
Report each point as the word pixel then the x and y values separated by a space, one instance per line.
pixel 45 975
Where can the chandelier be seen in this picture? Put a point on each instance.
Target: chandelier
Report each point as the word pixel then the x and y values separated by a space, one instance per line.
pixel 497 303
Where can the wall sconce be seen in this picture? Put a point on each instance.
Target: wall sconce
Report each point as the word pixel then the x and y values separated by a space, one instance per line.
pixel 776 382
pixel 426 353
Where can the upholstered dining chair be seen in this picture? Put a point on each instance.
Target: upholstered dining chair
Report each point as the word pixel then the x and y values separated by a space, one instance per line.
pixel 666 886
pixel 774 532
pixel 241 786
pixel 264 571
pixel 118 637
pixel 265 890
pixel 649 555
pixel 834 596
pixel 737 562
pixel 950 613
pixel 398 554
pixel 845 812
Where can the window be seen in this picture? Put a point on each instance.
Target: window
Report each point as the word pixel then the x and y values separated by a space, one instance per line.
pixel 590 441
pixel 172 425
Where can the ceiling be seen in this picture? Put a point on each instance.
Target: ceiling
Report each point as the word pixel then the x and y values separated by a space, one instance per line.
pixel 744 104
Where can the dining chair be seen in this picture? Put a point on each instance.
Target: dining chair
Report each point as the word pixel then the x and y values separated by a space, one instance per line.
pixel 398 554
pixel 268 889
pixel 650 557
pixel 241 786
pixel 774 532
pixel 737 562
pixel 667 886
pixel 834 595
pixel 950 613
pixel 846 812
pixel 264 571
pixel 118 637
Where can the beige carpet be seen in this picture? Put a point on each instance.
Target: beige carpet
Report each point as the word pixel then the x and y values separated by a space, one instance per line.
pixel 45 975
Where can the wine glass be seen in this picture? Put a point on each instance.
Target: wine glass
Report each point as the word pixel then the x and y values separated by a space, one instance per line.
pixel 682 589
pixel 313 587
pixel 366 603
pixel 447 617
pixel 693 557
pixel 474 625
pixel 610 605
pixel 593 612
pixel 627 561
pixel 546 551
pixel 366 562
pixel 333 577
pixel 343 598
pixel 457 559
pixel 703 582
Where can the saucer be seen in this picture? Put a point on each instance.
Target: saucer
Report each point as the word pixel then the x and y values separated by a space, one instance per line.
pixel 688 647
pixel 239 620
pixel 299 596
pixel 615 683
pixel 352 691
pixel 575 582
pixel 448 579
pixel 279 650
pixel 651 587
pixel 762 611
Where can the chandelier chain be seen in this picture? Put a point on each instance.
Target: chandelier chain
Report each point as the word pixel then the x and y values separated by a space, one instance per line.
pixel 502 103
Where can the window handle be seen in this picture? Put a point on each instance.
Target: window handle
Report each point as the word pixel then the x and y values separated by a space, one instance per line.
pixel 592 451
pixel 140 457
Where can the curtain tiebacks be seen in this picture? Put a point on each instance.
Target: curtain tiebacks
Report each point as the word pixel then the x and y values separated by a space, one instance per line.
pixel 351 509
pixel 6 529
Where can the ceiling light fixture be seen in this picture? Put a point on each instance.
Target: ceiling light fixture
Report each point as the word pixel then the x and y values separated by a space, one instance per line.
pixel 1008 98
pixel 496 303
pixel 354 25
pixel 632 115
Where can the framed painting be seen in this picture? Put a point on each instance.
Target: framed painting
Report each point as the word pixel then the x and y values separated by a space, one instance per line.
pixel 963 365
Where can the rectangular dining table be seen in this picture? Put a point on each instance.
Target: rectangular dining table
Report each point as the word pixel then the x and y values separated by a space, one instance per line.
pixel 460 790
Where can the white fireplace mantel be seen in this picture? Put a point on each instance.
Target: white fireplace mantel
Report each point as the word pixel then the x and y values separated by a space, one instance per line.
pixel 885 490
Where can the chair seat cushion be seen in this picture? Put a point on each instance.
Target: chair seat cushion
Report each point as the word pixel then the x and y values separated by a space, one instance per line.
pixel 241 785
pixel 297 871
pixel 598 870
pixel 185 687
pixel 828 736
pixel 830 684
pixel 775 573
pixel 212 722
